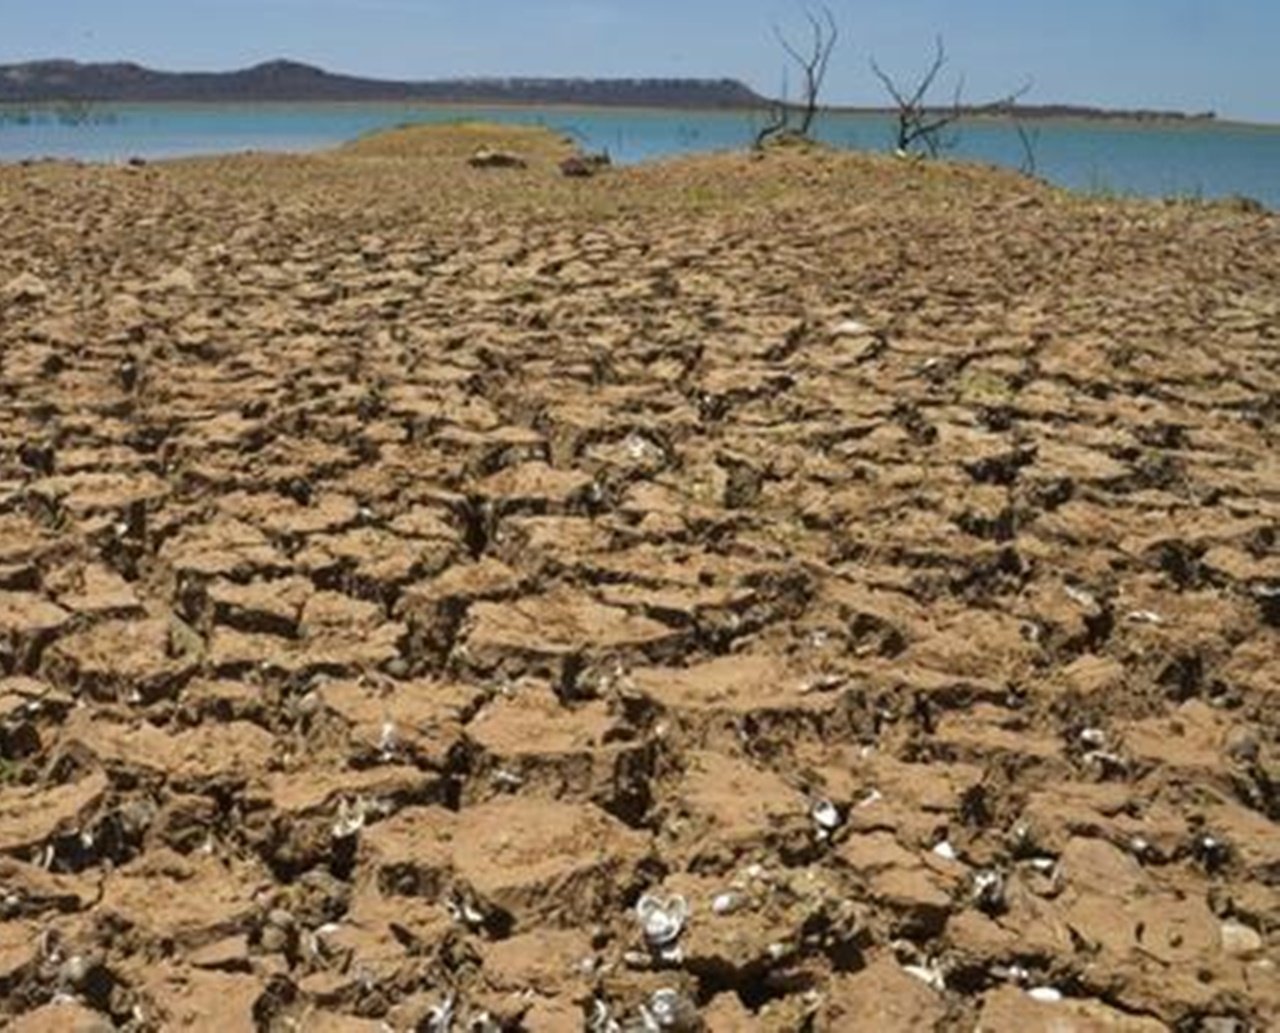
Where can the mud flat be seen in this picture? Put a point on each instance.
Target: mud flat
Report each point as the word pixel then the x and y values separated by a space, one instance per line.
pixel 804 592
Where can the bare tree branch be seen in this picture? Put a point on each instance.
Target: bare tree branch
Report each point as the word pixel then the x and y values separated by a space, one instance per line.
pixel 1030 164
pixel 813 63
pixel 920 127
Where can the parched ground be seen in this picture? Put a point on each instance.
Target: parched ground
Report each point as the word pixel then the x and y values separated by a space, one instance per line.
pixel 406 570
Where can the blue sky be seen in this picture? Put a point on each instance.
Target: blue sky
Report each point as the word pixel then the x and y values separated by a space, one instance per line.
pixel 1184 54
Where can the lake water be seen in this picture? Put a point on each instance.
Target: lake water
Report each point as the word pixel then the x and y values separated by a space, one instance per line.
pixel 1200 160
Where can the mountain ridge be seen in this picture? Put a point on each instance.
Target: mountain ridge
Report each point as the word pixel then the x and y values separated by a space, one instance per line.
pixel 61 80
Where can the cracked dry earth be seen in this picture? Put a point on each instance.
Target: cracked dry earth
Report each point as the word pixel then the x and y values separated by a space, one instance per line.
pixel 799 593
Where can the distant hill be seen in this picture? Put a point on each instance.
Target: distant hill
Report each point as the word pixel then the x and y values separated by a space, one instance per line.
pixel 1035 111
pixel 71 82
pixel 39 82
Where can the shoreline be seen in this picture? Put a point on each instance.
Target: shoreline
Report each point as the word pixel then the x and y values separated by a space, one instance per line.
pixel 1124 121
pixel 1158 161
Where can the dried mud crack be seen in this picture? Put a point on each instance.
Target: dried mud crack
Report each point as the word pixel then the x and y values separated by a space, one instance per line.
pixel 792 592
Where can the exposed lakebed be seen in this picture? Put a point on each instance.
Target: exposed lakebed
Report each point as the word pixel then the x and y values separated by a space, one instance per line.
pixel 809 591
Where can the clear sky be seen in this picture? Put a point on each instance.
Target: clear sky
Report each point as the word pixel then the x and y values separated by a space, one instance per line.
pixel 1180 54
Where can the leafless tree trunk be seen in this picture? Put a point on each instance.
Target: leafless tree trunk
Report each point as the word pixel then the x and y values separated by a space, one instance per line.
pixel 813 61
pixel 922 128
pixel 1030 163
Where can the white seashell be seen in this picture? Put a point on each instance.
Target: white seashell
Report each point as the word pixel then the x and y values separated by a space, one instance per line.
pixel 1045 994
pixel 929 976
pixel 945 850
pixel 1079 595
pixel 508 779
pixel 662 920
pixel 350 819
pixel 724 904
pixel 850 328
pixel 1144 617
pixel 387 738
pixel 988 888
pixel 1095 737
pixel 826 815
pixel 667 1009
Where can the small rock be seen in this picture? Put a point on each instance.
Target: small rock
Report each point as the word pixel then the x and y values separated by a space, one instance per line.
pixel 1242 745
pixel 274 939
pixel 582 166
pixel 488 158
pixel 1240 941
pixel 576 167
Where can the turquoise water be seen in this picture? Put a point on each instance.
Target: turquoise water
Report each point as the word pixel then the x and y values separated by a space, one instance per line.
pixel 1185 160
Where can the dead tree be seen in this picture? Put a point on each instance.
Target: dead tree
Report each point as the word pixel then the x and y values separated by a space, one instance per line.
pixel 1030 162
pixel 924 128
pixel 812 62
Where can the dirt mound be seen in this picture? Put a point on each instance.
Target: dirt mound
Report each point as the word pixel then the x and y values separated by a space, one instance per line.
pixel 780 592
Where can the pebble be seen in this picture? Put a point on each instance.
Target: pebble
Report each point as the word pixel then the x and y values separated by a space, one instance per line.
pixel 274 939
pixel 1240 940
pixel 1242 745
